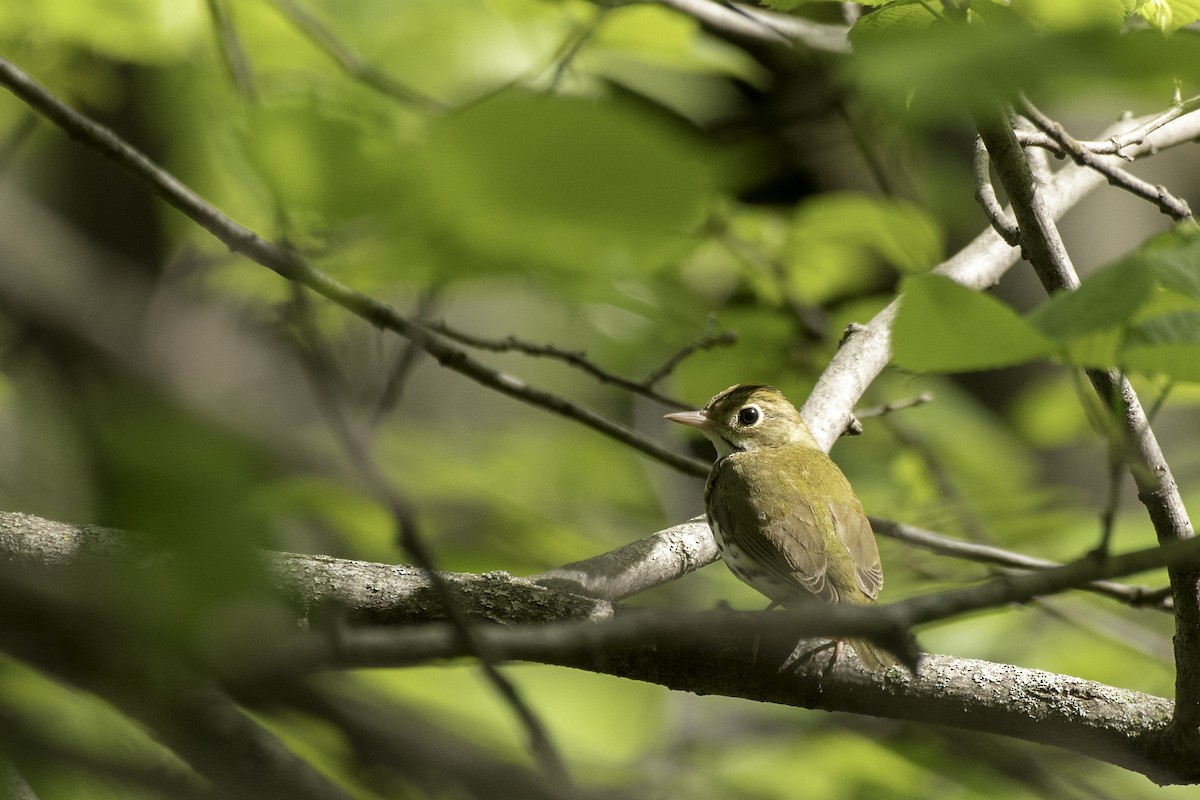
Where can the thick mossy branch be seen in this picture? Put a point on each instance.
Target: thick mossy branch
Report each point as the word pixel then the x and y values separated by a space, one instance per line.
pixel 735 654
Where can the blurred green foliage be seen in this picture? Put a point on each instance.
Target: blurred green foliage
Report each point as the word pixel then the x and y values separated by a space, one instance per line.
pixel 1141 313
pixel 609 179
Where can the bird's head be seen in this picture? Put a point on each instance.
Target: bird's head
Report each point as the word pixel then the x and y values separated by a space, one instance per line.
pixel 746 417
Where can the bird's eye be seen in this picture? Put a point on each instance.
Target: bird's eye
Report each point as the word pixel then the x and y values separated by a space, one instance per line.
pixel 749 416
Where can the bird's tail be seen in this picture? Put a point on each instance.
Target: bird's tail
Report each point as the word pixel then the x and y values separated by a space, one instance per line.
pixel 872 656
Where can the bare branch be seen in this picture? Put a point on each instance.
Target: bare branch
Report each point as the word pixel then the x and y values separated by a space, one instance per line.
pixel 657 559
pixel 985 195
pixel 1117 142
pixel 716 653
pixel 1120 141
pixel 1174 207
pixel 712 652
pixel 579 359
pixel 1137 596
pixel 894 406
pixel 706 341
pixel 1156 485
pixel 232 52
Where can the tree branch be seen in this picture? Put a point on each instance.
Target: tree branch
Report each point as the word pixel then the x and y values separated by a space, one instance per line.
pixel 708 652
pixel 1041 243
pixel 654 560
pixel 1114 144
pixel 738 657
pixel 1174 207
pixel 985 195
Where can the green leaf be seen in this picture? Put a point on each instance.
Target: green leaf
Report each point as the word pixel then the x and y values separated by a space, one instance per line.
pixel 1091 318
pixel 895 20
pixel 1174 259
pixel 1181 327
pixel 1065 14
pixel 322 164
pixel 945 327
pixel 633 43
pixel 136 31
pixel 1169 15
pixel 901 233
pixel 1107 299
pixel 1168 345
pixel 563 183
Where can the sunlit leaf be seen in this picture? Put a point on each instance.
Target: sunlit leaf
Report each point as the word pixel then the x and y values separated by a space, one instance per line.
pixel 1168 344
pixel 1105 300
pixel 1169 15
pixel 897 231
pixel 1065 14
pixel 1174 259
pixel 632 37
pixel 139 31
pixel 945 327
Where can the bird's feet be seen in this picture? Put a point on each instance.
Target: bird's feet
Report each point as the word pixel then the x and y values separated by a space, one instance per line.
pixel 805 652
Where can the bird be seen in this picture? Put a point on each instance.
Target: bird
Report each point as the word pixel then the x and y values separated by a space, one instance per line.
pixel 785 518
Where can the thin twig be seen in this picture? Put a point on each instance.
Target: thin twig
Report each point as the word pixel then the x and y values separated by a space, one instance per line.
pixel 809 319
pixel 292 266
pixel 405 362
pixel 985 195
pixel 1174 207
pixel 1136 596
pixel 573 44
pixel 232 52
pixel 16 137
pixel 707 341
pixel 1118 142
pixel 579 359
pixel 896 405
pixel 1115 144
pixel 351 62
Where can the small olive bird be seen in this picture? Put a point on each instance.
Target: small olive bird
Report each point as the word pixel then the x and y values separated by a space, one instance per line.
pixel 784 516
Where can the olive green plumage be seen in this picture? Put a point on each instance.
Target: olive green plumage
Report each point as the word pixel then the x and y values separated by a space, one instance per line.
pixel 786 520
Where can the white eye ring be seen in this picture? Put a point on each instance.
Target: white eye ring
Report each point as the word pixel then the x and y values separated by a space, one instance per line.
pixel 749 416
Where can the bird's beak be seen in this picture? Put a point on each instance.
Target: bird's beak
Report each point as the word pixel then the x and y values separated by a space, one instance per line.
pixel 693 419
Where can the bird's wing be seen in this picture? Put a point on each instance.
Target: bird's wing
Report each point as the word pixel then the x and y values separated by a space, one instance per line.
pixel 853 529
pixel 797 538
pixel 783 536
